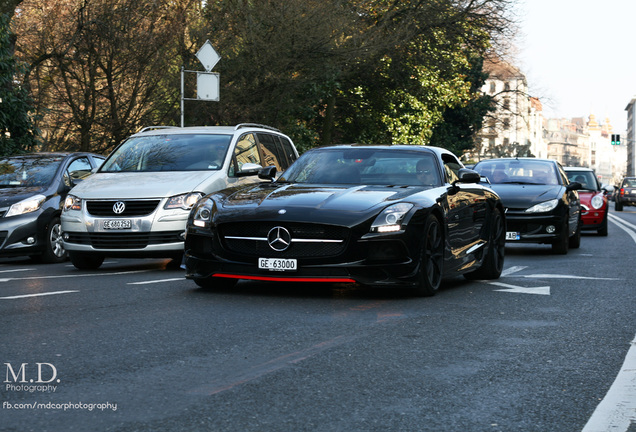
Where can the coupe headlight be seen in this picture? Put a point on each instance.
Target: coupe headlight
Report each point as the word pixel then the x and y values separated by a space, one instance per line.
pixel 543 207
pixel 391 218
pixel 185 201
pixel 597 201
pixel 26 206
pixel 203 213
pixel 72 203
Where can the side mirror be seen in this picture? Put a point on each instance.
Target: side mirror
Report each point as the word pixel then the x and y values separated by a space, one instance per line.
pixel 267 173
pixel 249 169
pixel 468 176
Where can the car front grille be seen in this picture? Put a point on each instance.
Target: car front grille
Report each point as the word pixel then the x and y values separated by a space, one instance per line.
pixel 133 207
pixel 250 239
pixel 124 240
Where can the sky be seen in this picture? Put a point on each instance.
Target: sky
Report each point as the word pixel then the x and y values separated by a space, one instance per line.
pixel 579 56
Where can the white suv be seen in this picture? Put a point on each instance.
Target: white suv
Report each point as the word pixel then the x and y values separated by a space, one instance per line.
pixel 137 203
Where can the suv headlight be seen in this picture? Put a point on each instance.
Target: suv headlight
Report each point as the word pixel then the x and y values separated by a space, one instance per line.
pixel 391 218
pixel 72 203
pixel 597 201
pixel 185 201
pixel 26 206
pixel 543 207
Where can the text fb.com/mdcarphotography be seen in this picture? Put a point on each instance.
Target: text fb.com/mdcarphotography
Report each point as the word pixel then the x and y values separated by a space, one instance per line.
pixel 42 378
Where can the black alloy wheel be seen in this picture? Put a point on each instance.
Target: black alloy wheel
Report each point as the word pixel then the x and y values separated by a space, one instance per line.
pixel 431 259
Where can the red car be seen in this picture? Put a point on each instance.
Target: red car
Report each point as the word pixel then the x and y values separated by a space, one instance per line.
pixel 594 206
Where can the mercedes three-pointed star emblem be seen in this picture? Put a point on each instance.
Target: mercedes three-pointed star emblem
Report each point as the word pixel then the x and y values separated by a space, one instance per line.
pixel 279 238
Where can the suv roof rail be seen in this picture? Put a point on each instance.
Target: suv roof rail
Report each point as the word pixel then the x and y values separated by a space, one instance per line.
pixel 244 125
pixel 147 128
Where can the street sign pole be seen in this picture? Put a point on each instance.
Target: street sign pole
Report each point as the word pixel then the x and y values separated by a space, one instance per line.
pixel 208 83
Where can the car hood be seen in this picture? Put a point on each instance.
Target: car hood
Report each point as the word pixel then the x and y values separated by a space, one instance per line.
pixel 327 204
pixel 11 195
pixel 525 196
pixel 125 185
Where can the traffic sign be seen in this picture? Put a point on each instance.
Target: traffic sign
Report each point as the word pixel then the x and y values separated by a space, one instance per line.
pixel 208 56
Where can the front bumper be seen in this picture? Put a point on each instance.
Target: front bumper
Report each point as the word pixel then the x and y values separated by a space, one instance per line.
pixel 24 235
pixel 534 228
pixel 159 234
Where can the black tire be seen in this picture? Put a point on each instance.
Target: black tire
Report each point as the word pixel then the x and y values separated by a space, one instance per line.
pixel 602 231
pixel 215 283
pixel 86 261
pixel 618 206
pixel 574 242
pixel 560 246
pixel 431 264
pixel 493 263
pixel 54 250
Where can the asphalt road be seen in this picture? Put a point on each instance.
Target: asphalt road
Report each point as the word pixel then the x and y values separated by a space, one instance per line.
pixel 136 347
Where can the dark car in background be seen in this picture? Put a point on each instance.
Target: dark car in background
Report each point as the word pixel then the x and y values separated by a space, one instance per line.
pixel 387 216
pixel 594 205
pixel 625 195
pixel 542 206
pixel 32 191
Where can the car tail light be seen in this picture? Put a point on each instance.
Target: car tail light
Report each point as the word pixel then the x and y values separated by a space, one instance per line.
pixel 622 191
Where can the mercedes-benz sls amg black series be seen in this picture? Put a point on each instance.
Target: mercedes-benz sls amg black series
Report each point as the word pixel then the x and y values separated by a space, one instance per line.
pixel 392 216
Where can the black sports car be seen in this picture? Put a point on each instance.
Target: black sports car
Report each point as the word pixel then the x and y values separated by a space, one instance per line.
pixel 542 206
pixel 377 215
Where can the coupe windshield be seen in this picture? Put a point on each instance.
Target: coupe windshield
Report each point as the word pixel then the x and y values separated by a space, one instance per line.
pixel 28 171
pixel 187 152
pixel 364 166
pixel 518 171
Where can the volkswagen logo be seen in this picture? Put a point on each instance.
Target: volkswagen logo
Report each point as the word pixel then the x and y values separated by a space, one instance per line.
pixel 278 238
pixel 119 207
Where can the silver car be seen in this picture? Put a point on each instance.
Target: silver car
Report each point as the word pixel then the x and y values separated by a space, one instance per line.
pixel 137 203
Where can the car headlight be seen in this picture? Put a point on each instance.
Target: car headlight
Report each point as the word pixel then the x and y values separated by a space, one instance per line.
pixel 597 201
pixel 26 206
pixel 72 203
pixel 543 207
pixel 391 218
pixel 202 213
pixel 185 201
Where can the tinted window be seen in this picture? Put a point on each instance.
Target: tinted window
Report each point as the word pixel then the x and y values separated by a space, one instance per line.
pixel 272 151
pixel 364 166
pixel 26 172
pixel 187 152
pixel 519 171
pixel 288 150
pixel 78 169
pixel 246 151
pixel 586 178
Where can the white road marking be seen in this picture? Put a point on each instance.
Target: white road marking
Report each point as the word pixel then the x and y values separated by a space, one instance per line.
pixel 71 276
pixel 512 270
pixel 544 290
pixel 617 410
pixel 555 276
pixel 36 295
pixel 16 270
pixel 155 281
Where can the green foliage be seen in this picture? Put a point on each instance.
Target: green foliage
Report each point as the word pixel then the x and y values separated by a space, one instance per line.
pixel 456 132
pixel 16 125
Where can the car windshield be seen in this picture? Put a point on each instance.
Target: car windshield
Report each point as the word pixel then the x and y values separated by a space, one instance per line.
pixel 629 183
pixel 586 178
pixel 518 171
pixel 22 171
pixel 187 152
pixel 364 166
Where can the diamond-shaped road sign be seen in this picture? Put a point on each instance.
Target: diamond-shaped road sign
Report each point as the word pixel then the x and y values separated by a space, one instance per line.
pixel 208 56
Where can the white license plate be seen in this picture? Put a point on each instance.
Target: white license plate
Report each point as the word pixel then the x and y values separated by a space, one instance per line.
pixel 510 235
pixel 116 224
pixel 277 264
